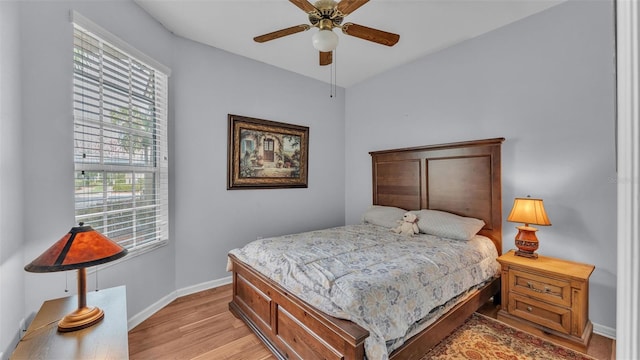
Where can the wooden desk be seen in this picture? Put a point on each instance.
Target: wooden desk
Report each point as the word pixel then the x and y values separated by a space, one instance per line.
pixel 108 339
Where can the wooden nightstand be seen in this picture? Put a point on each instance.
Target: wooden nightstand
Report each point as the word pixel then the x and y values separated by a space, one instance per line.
pixel 108 339
pixel 548 297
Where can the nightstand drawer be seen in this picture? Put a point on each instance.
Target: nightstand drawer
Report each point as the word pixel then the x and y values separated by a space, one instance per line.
pixel 547 315
pixel 541 287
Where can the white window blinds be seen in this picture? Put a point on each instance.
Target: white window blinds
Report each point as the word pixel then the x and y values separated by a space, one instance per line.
pixel 120 142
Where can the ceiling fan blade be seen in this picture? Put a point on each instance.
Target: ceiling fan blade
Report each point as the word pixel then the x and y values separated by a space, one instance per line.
pixel 304 5
pixel 281 33
pixel 326 58
pixel 346 7
pixel 367 33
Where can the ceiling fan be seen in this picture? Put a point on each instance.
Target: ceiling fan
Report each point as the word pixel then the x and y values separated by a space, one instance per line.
pixel 326 15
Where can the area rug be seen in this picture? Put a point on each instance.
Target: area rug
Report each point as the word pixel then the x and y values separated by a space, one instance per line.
pixel 484 338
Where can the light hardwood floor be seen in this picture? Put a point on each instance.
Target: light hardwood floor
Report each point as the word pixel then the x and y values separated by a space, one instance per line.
pixel 197 326
pixel 200 326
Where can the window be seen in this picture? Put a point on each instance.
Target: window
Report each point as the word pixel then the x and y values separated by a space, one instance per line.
pixel 120 140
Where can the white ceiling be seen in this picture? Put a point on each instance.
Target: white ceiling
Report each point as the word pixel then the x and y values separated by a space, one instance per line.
pixel 425 26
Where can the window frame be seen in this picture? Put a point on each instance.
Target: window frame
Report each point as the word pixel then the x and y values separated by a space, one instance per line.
pixel 156 140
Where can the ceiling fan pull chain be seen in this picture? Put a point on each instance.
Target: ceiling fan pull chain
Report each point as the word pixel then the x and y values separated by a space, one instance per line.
pixel 332 76
pixel 335 72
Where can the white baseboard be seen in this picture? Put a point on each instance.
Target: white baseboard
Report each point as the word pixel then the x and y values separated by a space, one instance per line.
pixel 138 318
pixel 604 331
pixel 204 286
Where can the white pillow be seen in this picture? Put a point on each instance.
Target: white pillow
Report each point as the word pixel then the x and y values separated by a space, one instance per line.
pixel 448 225
pixel 386 216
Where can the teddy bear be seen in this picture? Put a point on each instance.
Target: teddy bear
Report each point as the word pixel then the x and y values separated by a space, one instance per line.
pixel 408 225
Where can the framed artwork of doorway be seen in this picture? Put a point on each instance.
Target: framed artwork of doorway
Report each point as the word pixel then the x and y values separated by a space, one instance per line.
pixel 264 154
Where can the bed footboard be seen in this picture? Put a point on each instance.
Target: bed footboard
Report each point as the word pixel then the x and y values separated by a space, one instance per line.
pixel 292 329
pixel 289 327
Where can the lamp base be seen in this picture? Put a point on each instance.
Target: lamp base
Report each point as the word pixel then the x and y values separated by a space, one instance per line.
pixel 526 242
pixel 530 255
pixel 80 319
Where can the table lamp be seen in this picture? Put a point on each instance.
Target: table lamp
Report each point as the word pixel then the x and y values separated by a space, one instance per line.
pixel 528 211
pixel 82 247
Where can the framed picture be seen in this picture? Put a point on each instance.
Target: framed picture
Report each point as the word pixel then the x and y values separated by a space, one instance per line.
pixel 266 154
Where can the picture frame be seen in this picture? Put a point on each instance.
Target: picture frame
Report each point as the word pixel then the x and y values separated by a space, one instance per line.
pixel 265 154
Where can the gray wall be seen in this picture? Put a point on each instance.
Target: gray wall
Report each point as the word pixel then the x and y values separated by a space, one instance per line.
pixel 546 84
pixel 208 84
pixel 12 296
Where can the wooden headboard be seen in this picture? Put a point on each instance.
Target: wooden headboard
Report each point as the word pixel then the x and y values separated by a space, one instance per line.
pixel 463 178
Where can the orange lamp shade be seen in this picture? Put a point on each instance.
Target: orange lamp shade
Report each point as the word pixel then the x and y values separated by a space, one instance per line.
pixel 80 248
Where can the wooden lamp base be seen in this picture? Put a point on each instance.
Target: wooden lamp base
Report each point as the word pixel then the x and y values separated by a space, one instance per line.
pixel 84 316
pixel 80 319
pixel 526 242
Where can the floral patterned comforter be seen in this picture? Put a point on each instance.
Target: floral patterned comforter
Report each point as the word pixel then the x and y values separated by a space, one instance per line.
pixel 365 273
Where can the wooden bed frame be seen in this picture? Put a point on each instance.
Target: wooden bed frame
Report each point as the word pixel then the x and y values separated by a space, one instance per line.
pixel 462 178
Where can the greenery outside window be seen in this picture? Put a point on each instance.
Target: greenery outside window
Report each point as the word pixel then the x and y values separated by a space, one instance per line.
pixel 120 139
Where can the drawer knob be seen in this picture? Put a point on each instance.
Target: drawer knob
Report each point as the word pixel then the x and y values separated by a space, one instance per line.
pixel 529 309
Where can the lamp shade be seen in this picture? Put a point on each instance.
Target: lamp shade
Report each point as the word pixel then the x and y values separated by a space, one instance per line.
pixel 528 211
pixel 80 248
pixel 325 40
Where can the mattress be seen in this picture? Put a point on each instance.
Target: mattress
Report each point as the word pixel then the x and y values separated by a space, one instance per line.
pixel 385 282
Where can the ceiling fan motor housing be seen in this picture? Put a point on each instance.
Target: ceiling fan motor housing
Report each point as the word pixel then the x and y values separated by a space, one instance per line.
pixel 326 17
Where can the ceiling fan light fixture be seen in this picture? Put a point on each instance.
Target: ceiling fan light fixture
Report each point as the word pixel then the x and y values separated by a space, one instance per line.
pixel 325 40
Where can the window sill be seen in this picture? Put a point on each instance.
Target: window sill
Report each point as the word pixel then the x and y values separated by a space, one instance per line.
pixel 131 254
